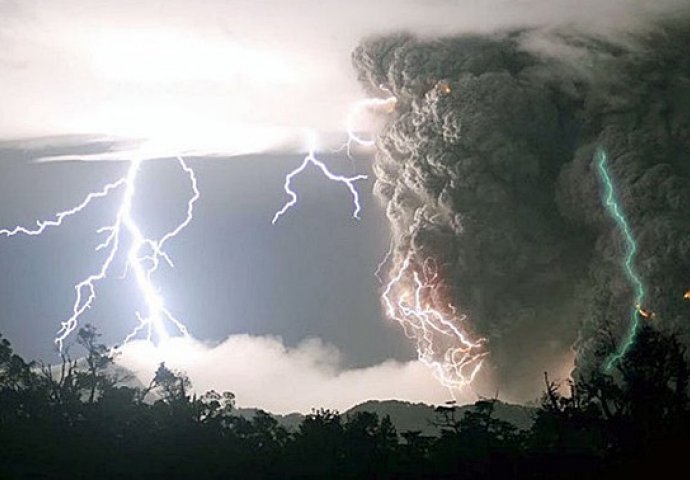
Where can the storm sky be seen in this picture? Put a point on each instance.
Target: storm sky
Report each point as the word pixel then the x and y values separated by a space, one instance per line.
pixel 232 85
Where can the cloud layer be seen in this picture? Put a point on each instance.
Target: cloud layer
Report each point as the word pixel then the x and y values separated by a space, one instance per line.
pixel 265 373
pixel 226 76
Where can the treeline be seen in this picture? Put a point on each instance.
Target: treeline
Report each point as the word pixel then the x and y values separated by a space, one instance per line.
pixel 79 421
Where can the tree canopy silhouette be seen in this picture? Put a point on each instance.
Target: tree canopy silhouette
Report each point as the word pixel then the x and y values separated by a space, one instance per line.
pixel 78 420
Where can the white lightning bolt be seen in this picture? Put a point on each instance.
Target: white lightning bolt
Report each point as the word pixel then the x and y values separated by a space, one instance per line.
pixel 410 298
pixel 310 158
pixel 142 259
pixel 442 345
pixel 144 254
pixel 386 104
pixel 384 260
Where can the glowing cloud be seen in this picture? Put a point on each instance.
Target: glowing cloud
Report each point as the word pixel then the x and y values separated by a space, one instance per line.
pixel 284 379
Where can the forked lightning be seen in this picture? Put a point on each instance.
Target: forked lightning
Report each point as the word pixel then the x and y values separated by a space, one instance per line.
pixel 142 259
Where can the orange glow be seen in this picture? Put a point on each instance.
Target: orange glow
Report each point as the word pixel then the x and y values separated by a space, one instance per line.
pixel 443 87
pixel 644 313
pixel 440 332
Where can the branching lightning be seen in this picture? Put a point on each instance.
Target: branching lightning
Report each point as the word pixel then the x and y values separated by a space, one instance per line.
pixel 616 213
pixel 353 138
pixel 143 256
pixel 411 298
pixel 387 105
pixel 311 159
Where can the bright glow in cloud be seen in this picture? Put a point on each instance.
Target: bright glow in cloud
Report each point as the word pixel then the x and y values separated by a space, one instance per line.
pixel 264 373
pixel 226 76
pixel 155 56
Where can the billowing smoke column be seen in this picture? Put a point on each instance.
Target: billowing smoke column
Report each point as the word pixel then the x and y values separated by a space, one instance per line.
pixel 487 168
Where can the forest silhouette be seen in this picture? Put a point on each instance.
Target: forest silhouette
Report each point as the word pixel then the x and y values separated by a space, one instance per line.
pixel 78 420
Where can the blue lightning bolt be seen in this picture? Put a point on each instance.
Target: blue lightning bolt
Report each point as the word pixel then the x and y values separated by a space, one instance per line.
pixel 616 213
pixel 142 258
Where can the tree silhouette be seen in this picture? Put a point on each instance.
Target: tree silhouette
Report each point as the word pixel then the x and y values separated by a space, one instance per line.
pixel 75 420
pixel 98 359
pixel 173 386
pixel 15 373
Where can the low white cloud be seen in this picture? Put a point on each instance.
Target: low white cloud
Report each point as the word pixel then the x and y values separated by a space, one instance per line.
pixel 265 373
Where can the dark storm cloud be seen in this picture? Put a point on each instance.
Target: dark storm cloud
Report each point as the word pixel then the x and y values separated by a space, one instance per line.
pixel 487 166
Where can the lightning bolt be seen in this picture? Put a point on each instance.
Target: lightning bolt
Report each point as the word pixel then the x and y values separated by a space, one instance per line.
pixel 386 105
pixel 353 138
pixel 411 298
pixel 616 212
pixel 143 256
pixel 441 343
pixel 384 260
pixel 311 159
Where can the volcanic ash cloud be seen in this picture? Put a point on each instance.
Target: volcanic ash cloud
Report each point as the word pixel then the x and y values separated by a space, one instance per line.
pixel 487 167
